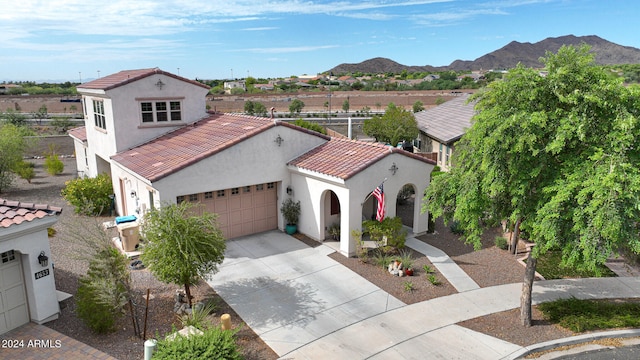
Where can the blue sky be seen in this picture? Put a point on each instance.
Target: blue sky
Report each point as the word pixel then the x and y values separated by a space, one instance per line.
pixel 69 40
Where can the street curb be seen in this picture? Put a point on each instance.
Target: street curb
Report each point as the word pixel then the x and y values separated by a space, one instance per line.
pixel 573 340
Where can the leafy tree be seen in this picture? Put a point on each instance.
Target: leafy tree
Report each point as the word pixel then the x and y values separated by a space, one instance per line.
pixel 12 147
pixel 345 105
pixel 395 125
pixel 248 107
pixel 42 113
pixel 182 247
pixel 13 117
pixel 89 196
pixel 418 106
pixel 259 109
pixel 296 106
pixel 311 126
pixel 558 156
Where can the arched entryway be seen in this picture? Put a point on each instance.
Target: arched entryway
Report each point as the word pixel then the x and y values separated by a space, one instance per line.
pixel 406 203
pixel 331 218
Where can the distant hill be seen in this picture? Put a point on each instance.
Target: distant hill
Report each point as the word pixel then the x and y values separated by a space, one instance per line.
pixel 606 53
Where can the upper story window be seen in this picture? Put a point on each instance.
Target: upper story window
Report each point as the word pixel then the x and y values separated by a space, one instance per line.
pixel 98 114
pixel 160 111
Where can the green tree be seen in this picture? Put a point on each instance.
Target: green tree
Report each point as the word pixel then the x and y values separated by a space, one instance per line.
pixel 248 107
pixel 182 247
pixel 296 106
pixel 12 147
pixel 397 124
pixel 13 117
pixel 418 106
pixel 558 156
pixel 259 109
pixel 345 105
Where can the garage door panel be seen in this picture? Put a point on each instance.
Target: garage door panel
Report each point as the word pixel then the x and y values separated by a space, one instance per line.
pixel 245 210
pixel 11 276
pixel 14 295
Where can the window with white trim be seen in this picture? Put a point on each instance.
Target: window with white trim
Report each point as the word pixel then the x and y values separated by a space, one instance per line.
pixel 160 111
pixel 98 114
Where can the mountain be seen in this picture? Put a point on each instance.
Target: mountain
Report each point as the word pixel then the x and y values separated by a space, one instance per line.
pixel 606 53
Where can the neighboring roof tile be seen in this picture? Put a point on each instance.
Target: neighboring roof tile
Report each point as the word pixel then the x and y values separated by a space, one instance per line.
pixel 186 146
pixel 79 133
pixel 15 212
pixel 127 76
pixel 344 158
pixel 447 122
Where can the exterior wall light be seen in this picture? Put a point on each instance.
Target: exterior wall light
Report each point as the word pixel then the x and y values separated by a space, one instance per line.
pixel 43 259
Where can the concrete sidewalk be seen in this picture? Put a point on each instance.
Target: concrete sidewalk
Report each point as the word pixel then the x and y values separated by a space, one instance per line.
pixel 427 330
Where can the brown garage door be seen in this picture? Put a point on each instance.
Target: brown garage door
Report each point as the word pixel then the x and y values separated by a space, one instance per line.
pixel 242 210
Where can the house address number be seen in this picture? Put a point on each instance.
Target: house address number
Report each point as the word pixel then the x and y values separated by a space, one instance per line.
pixel 41 274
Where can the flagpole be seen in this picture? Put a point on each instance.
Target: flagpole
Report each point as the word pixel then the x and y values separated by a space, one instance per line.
pixel 368 196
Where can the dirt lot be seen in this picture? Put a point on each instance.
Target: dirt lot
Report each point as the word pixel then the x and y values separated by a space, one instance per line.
pixel 314 101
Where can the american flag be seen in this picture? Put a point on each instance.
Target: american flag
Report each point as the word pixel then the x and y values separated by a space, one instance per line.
pixel 378 193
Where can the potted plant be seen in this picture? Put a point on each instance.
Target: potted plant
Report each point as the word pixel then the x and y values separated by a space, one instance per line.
pixel 291 212
pixel 334 231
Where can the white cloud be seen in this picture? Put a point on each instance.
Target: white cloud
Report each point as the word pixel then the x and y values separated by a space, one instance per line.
pixel 283 50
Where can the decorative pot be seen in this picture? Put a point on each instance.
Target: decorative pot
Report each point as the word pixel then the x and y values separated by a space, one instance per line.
pixel 291 229
pixel 408 272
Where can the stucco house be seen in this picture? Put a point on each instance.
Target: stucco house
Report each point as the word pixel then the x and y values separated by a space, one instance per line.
pixel 442 126
pixel 148 129
pixel 27 285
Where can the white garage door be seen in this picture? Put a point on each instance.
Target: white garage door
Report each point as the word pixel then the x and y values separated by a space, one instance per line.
pixel 242 210
pixel 13 301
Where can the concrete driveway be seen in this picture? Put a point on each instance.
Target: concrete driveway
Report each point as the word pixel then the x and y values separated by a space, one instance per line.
pixel 291 294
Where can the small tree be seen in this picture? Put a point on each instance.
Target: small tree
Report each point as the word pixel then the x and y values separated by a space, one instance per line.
pixel 296 106
pixel 395 125
pixel 346 105
pixel 12 147
pixel 182 247
pixel 259 109
pixel 89 196
pixel 418 106
pixel 248 107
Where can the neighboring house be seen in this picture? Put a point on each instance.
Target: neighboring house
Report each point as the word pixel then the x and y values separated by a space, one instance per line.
pixel 230 85
pixel 441 126
pixel 27 286
pixel 240 167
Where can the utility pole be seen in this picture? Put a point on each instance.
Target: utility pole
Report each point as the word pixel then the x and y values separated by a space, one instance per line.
pixel 80 76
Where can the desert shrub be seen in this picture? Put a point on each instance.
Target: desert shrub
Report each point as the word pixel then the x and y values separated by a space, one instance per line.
pixel 89 196
pixel 102 293
pixel 25 170
pixel 501 242
pixel 406 259
pixel 54 165
pixel 391 228
pixel 381 258
pixel 433 280
pixel 214 343
pixel 455 228
pixel 310 125
pixel 199 317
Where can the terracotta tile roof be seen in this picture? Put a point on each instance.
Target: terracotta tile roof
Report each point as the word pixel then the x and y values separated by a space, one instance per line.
pixel 192 143
pixel 127 76
pixel 79 133
pixel 344 158
pixel 15 212
pixel 447 122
